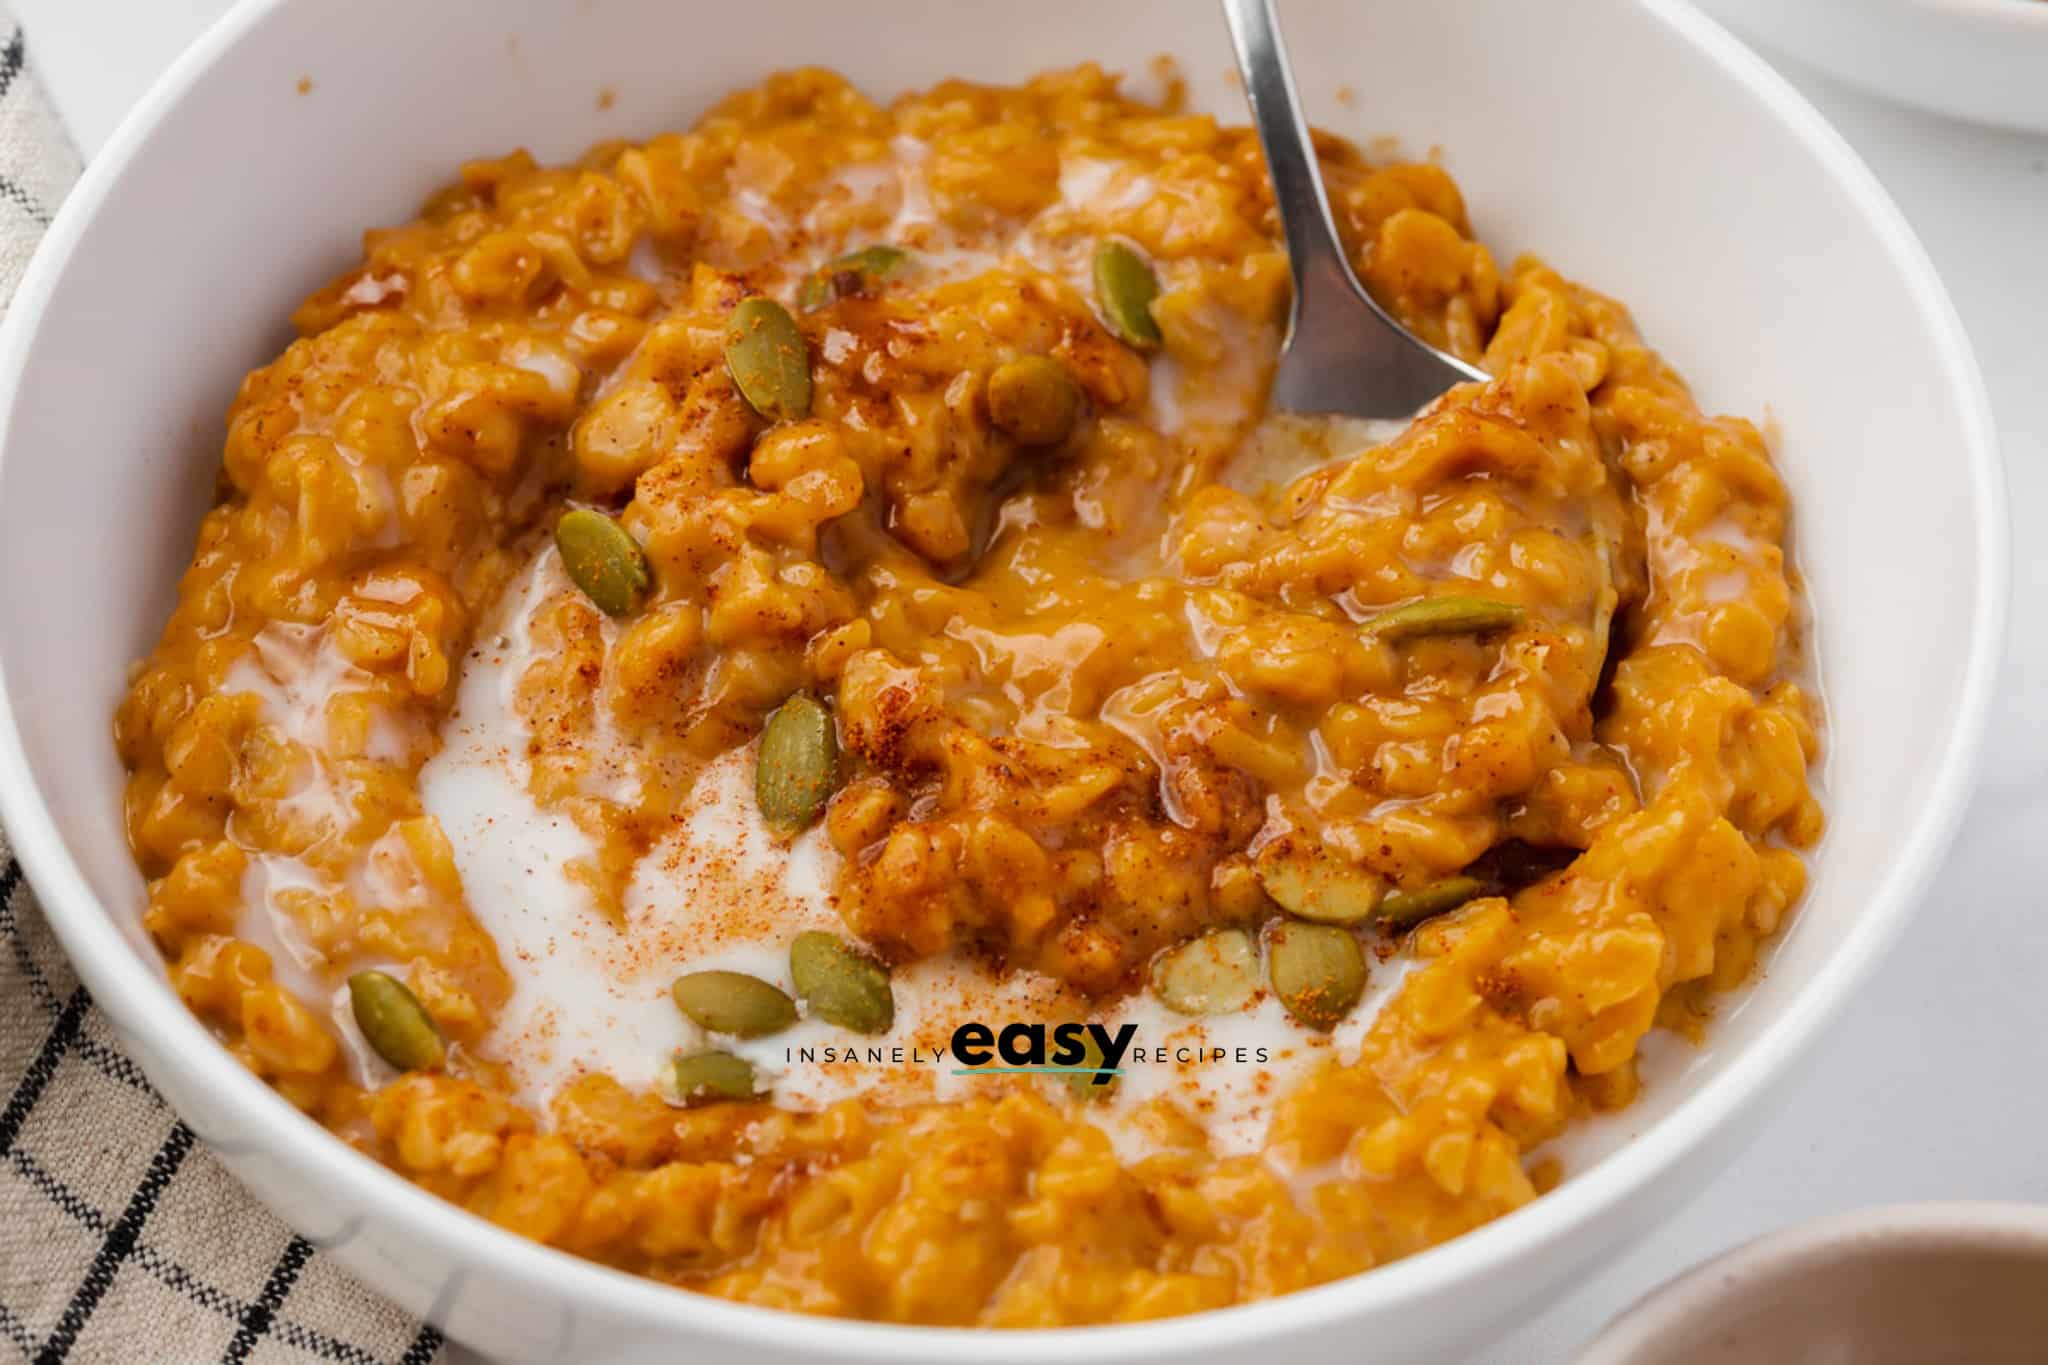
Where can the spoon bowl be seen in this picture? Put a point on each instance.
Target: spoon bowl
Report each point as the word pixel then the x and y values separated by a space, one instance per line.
pixel 1344 353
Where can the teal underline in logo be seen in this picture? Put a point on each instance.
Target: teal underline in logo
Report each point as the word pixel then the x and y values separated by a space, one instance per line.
pixel 1038 1070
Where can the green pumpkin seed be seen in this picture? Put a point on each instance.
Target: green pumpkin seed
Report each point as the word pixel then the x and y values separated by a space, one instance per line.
pixel 1033 400
pixel 394 1023
pixel 1124 289
pixel 769 359
pixel 1317 970
pixel 1444 616
pixel 708 1077
pixel 797 769
pixel 1091 1084
pixel 817 290
pixel 733 1003
pixel 1402 908
pixel 856 272
pixel 1214 974
pixel 603 559
pixel 1317 886
pixel 841 985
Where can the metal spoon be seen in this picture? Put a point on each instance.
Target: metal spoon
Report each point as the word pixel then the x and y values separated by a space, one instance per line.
pixel 1343 354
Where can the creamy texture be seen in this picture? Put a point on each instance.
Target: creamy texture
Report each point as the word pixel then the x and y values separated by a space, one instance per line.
pixel 293 672
pixel 1087 185
pixel 723 893
pixel 1089 188
pixel 1095 700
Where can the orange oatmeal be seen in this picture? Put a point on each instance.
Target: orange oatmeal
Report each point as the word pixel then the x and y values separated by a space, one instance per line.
pixel 835 563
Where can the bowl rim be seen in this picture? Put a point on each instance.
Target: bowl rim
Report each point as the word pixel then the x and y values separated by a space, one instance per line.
pixel 111 968
pixel 1675 1307
pixel 1956 59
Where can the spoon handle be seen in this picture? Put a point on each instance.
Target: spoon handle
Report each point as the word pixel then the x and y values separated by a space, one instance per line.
pixel 1344 353
pixel 1313 250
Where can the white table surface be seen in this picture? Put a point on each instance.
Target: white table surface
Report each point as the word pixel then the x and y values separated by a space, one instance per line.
pixel 1930 1086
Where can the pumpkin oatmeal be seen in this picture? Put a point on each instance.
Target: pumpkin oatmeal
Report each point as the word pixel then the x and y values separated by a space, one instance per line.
pixel 683 633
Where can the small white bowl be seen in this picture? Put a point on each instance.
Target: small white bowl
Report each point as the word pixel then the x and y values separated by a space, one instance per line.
pixel 1892 1286
pixel 1635 144
pixel 1984 60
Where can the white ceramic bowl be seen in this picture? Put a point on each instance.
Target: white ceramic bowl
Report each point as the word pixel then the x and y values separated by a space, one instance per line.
pixel 1891 1286
pixel 1634 143
pixel 1985 60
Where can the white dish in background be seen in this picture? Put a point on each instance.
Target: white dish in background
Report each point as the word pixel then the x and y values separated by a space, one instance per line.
pixel 1895 1286
pixel 1985 60
pixel 228 195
